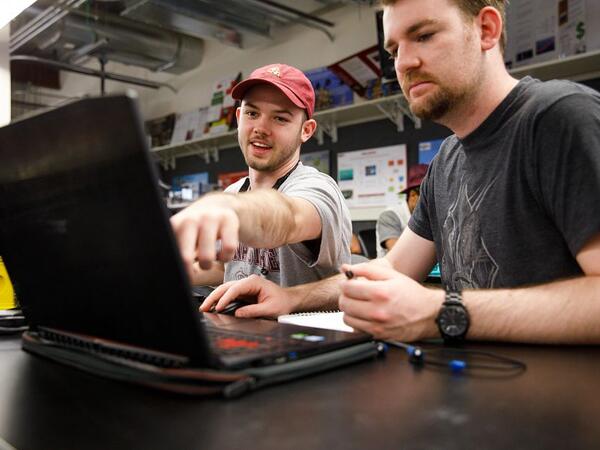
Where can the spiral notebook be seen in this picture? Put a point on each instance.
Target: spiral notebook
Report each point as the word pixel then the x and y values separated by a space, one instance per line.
pixel 329 320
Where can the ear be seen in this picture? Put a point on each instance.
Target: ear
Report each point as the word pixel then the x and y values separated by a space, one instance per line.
pixel 238 111
pixel 308 129
pixel 490 24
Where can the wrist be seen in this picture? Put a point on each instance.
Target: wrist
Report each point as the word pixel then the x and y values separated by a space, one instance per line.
pixel 236 205
pixel 438 296
pixel 453 320
pixel 293 298
pixel 223 199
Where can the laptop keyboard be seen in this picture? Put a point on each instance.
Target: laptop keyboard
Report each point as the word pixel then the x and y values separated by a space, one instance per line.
pixel 229 342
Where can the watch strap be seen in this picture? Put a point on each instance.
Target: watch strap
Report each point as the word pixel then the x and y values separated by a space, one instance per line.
pixel 453 298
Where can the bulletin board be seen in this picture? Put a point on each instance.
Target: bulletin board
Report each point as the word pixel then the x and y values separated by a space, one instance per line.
pixel 372 177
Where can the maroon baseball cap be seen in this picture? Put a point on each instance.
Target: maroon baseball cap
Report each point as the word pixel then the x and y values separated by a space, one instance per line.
pixel 289 80
pixel 416 174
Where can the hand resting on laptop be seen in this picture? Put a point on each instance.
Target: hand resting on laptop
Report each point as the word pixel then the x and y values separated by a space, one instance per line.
pixel 264 298
pixel 232 307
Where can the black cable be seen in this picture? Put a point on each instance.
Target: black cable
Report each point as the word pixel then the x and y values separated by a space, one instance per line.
pixel 443 358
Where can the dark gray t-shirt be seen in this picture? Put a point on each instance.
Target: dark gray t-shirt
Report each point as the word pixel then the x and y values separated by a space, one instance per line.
pixel 514 202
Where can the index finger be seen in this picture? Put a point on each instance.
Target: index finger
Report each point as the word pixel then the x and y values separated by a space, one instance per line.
pixel 360 289
pixel 214 296
pixel 371 271
pixel 237 290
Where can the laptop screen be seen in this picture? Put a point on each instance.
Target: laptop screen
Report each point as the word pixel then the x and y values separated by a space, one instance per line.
pixel 85 233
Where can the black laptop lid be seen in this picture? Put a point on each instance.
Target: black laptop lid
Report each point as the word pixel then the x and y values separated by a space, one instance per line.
pixel 85 233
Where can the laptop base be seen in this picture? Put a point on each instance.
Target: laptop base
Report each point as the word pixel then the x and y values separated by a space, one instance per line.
pixel 192 380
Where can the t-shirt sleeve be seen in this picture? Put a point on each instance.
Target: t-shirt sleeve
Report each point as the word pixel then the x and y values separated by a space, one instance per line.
pixel 388 226
pixel 567 144
pixel 324 194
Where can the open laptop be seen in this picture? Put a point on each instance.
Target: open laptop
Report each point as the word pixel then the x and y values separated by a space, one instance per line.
pixel 87 239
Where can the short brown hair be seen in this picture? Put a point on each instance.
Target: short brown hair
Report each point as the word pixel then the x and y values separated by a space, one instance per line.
pixel 471 8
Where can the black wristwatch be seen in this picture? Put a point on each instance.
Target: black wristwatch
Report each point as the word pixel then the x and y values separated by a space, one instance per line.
pixel 453 318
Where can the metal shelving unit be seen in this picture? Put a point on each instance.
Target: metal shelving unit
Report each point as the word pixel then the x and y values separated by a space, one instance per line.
pixel 207 147
pixel 393 107
pixel 581 67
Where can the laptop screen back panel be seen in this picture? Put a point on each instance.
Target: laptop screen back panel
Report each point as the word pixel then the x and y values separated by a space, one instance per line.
pixel 78 194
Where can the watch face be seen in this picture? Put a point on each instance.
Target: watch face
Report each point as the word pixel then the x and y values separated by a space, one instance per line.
pixel 453 321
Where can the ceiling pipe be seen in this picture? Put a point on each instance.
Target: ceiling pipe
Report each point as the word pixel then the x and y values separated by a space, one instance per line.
pixel 42 22
pixel 295 12
pixel 94 73
pixel 291 13
pixel 81 35
pixel 214 13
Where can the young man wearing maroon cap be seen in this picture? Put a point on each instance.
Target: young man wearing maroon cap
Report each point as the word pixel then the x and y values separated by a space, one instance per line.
pixel 394 219
pixel 285 222
pixel 510 205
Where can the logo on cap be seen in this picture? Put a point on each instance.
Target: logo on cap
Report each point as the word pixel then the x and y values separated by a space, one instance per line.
pixel 275 71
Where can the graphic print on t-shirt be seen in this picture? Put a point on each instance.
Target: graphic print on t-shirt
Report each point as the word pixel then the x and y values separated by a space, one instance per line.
pixel 466 258
pixel 265 260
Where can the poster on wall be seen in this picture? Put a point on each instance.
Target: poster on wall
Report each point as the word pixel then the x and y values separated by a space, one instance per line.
pixel 362 72
pixel 532 32
pixel 372 177
pixel 318 160
pixel 571 27
pixel 543 30
pixel 220 116
pixel 189 125
pixel 330 91
pixel 592 25
pixel 523 14
pixel 428 149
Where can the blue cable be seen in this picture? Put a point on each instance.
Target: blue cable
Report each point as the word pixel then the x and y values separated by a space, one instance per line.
pixel 457 365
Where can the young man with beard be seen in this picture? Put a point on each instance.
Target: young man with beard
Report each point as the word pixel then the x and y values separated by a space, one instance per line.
pixel 510 205
pixel 285 222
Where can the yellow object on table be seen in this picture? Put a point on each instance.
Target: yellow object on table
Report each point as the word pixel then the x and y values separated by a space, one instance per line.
pixel 7 294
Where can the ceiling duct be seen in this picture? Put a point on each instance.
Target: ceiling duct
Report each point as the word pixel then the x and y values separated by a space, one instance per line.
pixel 79 35
pixel 237 23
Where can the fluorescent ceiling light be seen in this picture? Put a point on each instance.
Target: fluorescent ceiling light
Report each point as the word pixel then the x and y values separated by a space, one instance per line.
pixel 11 9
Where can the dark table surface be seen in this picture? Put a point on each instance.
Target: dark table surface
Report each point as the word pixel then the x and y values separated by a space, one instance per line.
pixel 377 404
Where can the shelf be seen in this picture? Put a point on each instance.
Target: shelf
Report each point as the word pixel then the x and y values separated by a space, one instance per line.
pixel 394 108
pixel 585 66
pixel 206 147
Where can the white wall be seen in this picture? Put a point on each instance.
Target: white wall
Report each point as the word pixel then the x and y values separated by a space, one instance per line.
pixel 297 45
pixel 4 76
